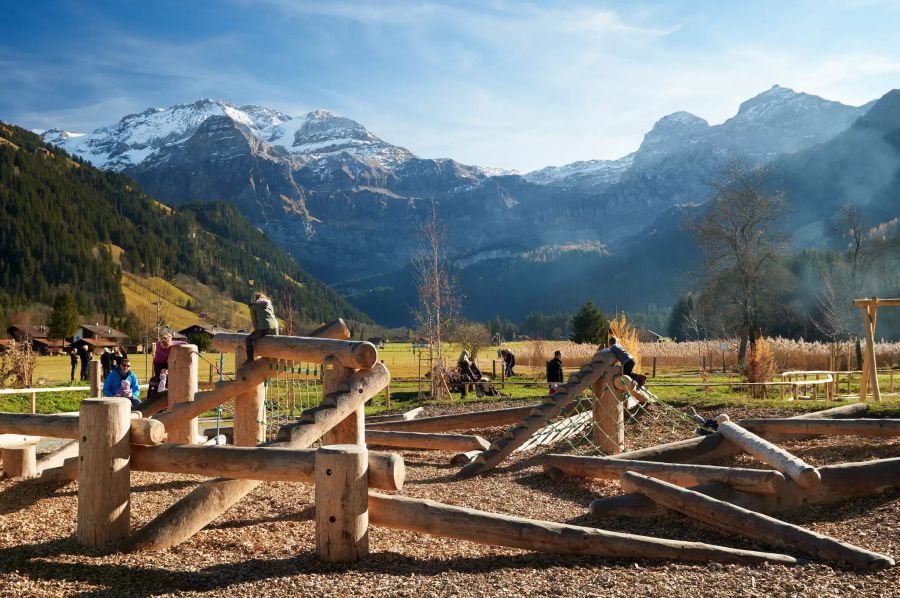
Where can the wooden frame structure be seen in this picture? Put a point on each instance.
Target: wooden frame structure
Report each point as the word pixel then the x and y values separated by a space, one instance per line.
pixel 869 377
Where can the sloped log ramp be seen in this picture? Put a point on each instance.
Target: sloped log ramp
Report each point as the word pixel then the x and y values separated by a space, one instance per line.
pixel 749 524
pixel 210 499
pixel 438 519
pixel 839 482
pixel 541 414
pixel 790 465
pixel 760 481
pixel 557 431
pixel 712 448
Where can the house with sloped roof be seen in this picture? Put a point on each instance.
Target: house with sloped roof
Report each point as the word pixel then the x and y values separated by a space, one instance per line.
pixel 38 336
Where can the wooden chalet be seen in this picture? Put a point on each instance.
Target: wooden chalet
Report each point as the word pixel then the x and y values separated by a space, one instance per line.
pixel 208 330
pixel 38 336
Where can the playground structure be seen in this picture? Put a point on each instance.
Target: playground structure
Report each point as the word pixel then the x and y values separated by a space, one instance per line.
pixel 112 441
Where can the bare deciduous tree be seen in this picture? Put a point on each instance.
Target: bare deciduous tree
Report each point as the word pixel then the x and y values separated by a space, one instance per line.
pixel 437 298
pixel 741 243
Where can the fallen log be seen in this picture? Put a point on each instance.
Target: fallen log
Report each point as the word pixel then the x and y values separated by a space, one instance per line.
pixel 839 482
pixel 351 354
pixel 793 467
pixel 712 448
pixel 210 499
pixel 820 426
pixel 419 440
pixel 762 481
pixel 733 519
pixel 426 516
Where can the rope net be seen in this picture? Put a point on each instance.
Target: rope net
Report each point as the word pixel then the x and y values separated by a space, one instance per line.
pixel 646 424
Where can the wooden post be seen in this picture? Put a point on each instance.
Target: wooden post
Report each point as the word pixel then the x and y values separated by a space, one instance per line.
pixel 104 471
pixel 250 409
pixel 34 397
pixel 654 365
pixel 96 379
pixel 182 386
pixel 342 503
pixel 870 348
pixel 387 396
pixel 352 429
pixel 19 461
pixel 609 420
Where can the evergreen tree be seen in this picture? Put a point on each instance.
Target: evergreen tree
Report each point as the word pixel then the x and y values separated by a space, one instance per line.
pixel 64 317
pixel 589 325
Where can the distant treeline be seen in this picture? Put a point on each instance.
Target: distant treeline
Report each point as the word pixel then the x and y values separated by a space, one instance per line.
pixel 59 215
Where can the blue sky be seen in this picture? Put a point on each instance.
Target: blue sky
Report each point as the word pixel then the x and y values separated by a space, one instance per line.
pixel 495 83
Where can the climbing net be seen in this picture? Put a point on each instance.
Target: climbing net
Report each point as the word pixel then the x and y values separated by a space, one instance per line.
pixel 291 387
pixel 646 424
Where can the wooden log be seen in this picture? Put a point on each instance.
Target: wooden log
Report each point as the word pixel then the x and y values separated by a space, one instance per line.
pixel 608 412
pixel 147 431
pixel 249 407
pixel 351 354
pixel 54 426
pixel 153 405
pixel 220 440
pixel 733 519
pixel 17 439
pixel 831 427
pixel 422 441
pixel 19 461
pixel 351 429
pixel 464 458
pixel 458 421
pixel 182 386
pixel 395 417
pixel 342 505
pixel 712 448
pixel 336 330
pixel 761 481
pixel 426 516
pixel 95 379
pixel 56 457
pixel 210 499
pixel 353 394
pixel 793 467
pixel 839 482
pixel 247 378
pixel 104 492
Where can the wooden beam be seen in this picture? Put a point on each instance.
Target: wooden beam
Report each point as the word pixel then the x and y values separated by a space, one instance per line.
pixel 831 427
pixel 793 467
pixel 351 429
pixel 762 481
pixel 337 330
pixel 438 519
pixel 457 421
pixel 881 302
pixel 66 426
pixel 749 524
pixel 423 441
pixel 395 417
pixel 839 483
pixel 351 354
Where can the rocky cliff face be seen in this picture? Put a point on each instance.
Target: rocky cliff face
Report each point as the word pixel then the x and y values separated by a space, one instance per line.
pixel 348 204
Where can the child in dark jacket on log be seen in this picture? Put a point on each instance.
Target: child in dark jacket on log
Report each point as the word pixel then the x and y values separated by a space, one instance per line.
pixel 262 315
pixel 627 361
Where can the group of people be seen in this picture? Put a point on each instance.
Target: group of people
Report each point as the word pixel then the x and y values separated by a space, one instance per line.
pixel 109 360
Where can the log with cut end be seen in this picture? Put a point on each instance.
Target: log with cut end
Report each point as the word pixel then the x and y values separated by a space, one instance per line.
pixel 426 516
pixel 464 458
pixel 457 421
pixel 761 481
pixel 351 354
pixel 831 427
pixel 733 519
pixel 145 431
pixel 210 499
pixel 431 442
pixel 793 467
pixel 712 448
pixel 337 329
pixel 19 461
pixel 839 483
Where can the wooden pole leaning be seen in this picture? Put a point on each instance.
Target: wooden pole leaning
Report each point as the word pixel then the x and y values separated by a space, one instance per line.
pixel 734 519
pixel 763 481
pixel 793 467
pixel 182 386
pixel 104 488
pixel 342 503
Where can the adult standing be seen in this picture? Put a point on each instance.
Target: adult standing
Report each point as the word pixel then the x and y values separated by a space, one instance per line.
pixel 262 316
pixel 73 359
pixel 105 362
pixel 113 387
pixel 86 356
pixel 509 362
pixel 555 371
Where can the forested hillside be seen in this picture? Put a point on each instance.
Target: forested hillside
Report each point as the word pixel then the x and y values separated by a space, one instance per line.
pixel 59 214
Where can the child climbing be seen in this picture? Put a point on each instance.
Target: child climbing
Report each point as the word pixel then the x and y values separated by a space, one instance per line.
pixel 627 361
pixel 262 315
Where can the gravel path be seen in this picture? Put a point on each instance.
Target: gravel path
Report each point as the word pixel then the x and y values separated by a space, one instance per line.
pixel 265 545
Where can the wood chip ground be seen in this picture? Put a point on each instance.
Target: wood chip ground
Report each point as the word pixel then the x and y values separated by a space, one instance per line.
pixel 264 546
